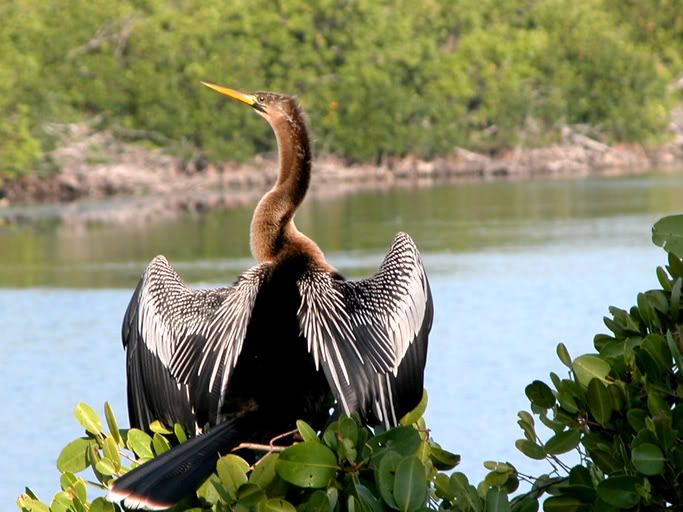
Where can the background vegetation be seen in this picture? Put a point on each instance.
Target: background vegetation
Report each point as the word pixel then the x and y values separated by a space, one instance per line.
pixel 619 411
pixel 378 78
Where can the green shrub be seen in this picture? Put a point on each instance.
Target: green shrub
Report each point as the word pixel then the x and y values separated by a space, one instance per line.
pixel 621 408
pixel 378 78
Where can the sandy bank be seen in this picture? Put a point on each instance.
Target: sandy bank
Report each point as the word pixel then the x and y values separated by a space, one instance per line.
pixel 147 183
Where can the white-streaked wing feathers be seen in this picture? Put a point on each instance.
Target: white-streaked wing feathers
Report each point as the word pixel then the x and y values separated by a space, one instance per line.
pixel 361 332
pixel 189 333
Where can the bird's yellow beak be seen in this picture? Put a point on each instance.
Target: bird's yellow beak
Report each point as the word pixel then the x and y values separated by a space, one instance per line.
pixel 237 95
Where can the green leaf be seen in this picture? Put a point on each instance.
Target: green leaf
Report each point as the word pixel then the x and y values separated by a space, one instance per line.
pixel 93 457
pixel 647 365
pixel 588 367
pixel 564 356
pixel 497 500
pixel 88 418
pixel 531 450
pixel 307 465
pixel 111 451
pixel 348 429
pixel 648 459
pixel 61 502
pixel 636 418
pixel 73 457
pixel 112 424
pixel 663 279
pixel 29 502
pixel 330 435
pixel 657 347
pixel 275 505
pixel 442 487
pixel 442 459
pixel 563 442
pixel 580 475
pixel 618 397
pixel 424 452
pixel 657 404
pixel 495 479
pixel 606 461
pixel 410 486
pixel 414 415
pixel 140 442
pixel 264 472
pixel 367 498
pixel 676 353
pixel 73 484
pixel 102 505
pixel 675 266
pixel 404 440
pixel 619 491
pixel 540 394
pixel 526 423
pixel 318 502
pixel 249 494
pixel 105 466
pixel 567 402
pixel 306 432
pixel 563 504
pixel 526 417
pixel 179 432
pixel 599 401
pixel 160 444
pixel 675 299
pixel 526 504
pixel 667 233
pixel 465 493
pixel 232 470
pixel 159 428
pixel 332 496
pixel 385 476
pixel 208 491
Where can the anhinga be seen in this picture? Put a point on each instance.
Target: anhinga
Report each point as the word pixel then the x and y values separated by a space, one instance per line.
pixel 287 339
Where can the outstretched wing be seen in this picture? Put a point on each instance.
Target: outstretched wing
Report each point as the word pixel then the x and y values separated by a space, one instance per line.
pixel 370 336
pixel 181 345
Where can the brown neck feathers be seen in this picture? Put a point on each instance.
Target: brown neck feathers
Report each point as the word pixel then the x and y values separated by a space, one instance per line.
pixel 272 228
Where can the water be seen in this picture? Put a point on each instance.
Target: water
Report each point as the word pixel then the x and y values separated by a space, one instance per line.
pixel 514 267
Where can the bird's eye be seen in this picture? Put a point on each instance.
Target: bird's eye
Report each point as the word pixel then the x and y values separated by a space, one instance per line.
pixel 261 98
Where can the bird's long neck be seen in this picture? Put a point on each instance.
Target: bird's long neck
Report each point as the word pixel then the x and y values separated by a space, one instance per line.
pixel 272 226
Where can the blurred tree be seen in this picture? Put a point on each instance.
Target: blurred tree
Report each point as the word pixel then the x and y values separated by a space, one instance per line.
pixel 379 78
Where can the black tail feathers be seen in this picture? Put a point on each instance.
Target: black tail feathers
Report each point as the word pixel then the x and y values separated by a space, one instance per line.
pixel 162 482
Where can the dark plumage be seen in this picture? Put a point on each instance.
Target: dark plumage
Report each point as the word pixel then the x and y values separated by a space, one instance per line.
pixel 287 339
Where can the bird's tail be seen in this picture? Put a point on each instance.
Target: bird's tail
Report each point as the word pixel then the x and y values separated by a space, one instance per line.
pixel 163 481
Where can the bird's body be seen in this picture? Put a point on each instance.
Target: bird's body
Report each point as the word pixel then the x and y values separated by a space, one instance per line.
pixel 286 340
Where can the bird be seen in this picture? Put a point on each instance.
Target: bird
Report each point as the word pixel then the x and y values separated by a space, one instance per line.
pixel 290 339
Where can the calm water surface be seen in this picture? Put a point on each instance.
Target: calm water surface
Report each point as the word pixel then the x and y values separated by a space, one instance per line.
pixel 514 267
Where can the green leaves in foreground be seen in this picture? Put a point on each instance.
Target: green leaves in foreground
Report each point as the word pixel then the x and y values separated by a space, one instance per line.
pixel 345 467
pixel 619 408
pixel 668 234
pixel 307 464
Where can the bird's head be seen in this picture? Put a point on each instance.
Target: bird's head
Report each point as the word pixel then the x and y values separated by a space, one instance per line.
pixel 273 106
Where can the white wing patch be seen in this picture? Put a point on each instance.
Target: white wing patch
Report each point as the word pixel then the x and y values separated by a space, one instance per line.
pixel 361 331
pixel 194 331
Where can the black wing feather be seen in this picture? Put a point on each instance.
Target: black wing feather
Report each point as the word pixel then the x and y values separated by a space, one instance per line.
pixel 181 345
pixel 370 336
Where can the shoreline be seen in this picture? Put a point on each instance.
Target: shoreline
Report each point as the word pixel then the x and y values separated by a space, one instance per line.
pixel 105 180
